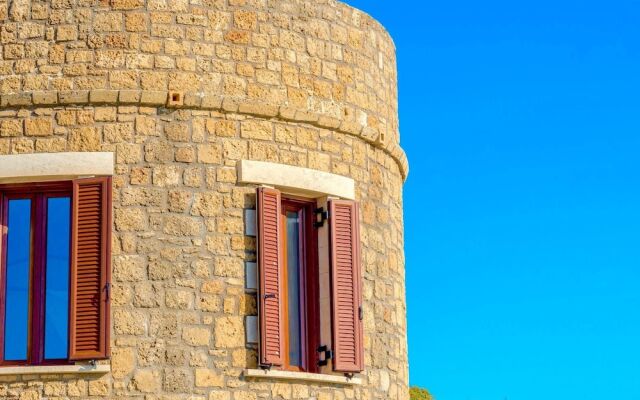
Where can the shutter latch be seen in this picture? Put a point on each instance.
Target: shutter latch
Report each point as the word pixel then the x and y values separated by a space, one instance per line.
pixel 327 355
pixel 321 216
pixel 360 313
pixel 107 289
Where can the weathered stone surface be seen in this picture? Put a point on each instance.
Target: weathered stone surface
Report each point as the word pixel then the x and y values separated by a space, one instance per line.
pixel 296 82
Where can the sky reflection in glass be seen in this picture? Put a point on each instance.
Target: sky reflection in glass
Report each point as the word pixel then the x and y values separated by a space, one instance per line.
pixel 293 284
pixel 17 291
pixel 56 326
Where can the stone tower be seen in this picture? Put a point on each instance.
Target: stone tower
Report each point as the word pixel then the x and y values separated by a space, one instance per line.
pixel 189 106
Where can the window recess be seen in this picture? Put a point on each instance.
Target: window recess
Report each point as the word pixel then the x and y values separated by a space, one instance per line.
pixel 289 291
pixel 54 259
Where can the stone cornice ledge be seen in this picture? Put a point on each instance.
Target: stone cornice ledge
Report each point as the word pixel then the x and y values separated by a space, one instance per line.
pixel 301 377
pixel 99 369
pixel 202 101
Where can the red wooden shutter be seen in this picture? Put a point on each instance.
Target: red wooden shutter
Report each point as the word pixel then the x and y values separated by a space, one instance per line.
pixel 346 293
pixel 90 269
pixel 270 265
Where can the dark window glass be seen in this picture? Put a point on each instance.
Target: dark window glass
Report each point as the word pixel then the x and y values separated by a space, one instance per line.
pixel 17 281
pixel 293 285
pixel 56 320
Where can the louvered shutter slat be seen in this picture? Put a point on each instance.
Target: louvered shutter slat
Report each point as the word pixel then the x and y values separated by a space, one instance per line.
pixel 270 271
pixel 346 293
pixel 90 270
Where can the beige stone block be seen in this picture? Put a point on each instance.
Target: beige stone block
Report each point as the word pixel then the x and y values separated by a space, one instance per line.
pixel 164 325
pixel 244 395
pixel 13 51
pixel 178 225
pixel 208 378
pixel 29 395
pixel 179 299
pixel 10 128
pixel 179 200
pixel 107 22
pixel 55 389
pixel 129 322
pixel 129 268
pixel 100 387
pixel 38 127
pixel 219 395
pixel 152 97
pixel 196 336
pixel 66 33
pixel 130 219
pixel 230 267
pixel 209 303
pixel 255 129
pixel 229 332
pixel 122 362
pixel 210 153
pixel 185 155
pixel 245 20
pixel 177 380
pixel 77 388
pixel 44 98
pixel 136 22
pixel 84 139
pixel 166 175
pixel 147 381
pixel 207 204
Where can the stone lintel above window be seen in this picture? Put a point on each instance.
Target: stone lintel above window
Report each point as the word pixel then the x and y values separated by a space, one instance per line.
pixel 40 167
pixel 296 180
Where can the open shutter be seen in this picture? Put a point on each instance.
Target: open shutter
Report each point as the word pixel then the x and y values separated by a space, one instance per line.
pixel 270 266
pixel 346 293
pixel 90 269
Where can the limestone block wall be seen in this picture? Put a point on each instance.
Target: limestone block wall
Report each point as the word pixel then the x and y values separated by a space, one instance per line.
pixel 304 83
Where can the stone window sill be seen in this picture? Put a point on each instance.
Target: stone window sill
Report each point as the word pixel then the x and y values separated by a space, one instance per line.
pixel 56 369
pixel 300 376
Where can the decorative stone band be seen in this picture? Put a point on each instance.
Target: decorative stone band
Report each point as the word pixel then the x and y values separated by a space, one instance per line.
pixel 377 137
pixel 17 168
pixel 296 180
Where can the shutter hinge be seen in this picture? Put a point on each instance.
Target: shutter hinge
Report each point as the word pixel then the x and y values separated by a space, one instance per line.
pixel 321 216
pixel 327 355
pixel 360 313
pixel 107 289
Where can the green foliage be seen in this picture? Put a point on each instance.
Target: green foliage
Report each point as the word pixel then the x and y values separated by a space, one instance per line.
pixel 417 393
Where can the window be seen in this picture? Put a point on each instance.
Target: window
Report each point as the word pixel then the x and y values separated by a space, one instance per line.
pixel 299 284
pixel 290 289
pixel 54 255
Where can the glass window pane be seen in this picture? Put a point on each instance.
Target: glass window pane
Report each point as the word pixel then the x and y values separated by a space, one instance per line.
pixel 17 289
pixel 293 285
pixel 56 319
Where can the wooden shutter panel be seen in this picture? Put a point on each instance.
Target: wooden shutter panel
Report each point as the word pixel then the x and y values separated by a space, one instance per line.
pixel 270 267
pixel 346 291
pixel 90 269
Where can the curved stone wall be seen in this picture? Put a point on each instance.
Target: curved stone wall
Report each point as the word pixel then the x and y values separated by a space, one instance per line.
pixel 320 62
pixel 180 91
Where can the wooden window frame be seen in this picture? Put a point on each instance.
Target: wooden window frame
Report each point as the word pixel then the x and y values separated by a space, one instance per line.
pixel 38 193
pixel 309 284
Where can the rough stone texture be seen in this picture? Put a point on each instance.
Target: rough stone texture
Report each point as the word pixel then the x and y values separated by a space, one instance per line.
pixel 299 82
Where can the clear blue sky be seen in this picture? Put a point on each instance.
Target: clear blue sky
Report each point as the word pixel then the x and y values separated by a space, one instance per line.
pixel 521 121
